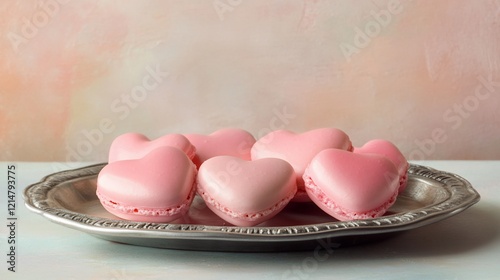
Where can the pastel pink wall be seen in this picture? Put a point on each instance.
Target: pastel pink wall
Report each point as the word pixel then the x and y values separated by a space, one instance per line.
pixel 75 74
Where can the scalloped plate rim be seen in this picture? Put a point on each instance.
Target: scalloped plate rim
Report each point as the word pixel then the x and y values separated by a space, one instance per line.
pixel 243 237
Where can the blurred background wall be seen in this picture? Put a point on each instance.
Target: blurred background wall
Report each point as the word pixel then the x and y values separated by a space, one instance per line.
pixel 75 74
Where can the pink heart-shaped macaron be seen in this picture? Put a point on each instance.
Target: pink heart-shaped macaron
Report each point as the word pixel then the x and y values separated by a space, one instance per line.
pixel 156 188
pixel 224 142
pixel 246 193
pixel 299 149
pixel 136 145
pixel 389 150
pixel 351 186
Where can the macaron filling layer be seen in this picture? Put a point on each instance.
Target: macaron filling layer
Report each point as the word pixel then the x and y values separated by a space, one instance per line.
pixel 245 216
pixel 147 211
pixel 403 178
pixel 318 195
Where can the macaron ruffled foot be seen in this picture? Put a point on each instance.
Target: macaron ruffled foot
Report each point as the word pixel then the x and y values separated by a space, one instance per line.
pixel 157 188
pixel 247 182
pixel 246 193
pixel 350 186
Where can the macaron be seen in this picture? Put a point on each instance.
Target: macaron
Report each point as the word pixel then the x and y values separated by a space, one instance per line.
pixel 351 186
pixel 299 149
pixel 389 150
pixel 246 193
pixel 158 187
pixel 223 142
pixel 136 145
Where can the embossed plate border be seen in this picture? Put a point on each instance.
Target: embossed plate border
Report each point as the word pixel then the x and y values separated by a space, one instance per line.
pixel 250 239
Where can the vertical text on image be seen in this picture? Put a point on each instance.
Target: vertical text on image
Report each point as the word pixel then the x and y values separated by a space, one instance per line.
pixel 11 222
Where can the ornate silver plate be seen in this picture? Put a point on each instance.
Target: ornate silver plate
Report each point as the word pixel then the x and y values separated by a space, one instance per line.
pixel 69 198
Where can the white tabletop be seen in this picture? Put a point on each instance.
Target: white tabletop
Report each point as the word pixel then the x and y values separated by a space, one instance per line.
pixel 466 246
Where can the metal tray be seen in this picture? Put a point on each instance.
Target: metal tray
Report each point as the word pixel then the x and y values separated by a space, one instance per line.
pixel 69 198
